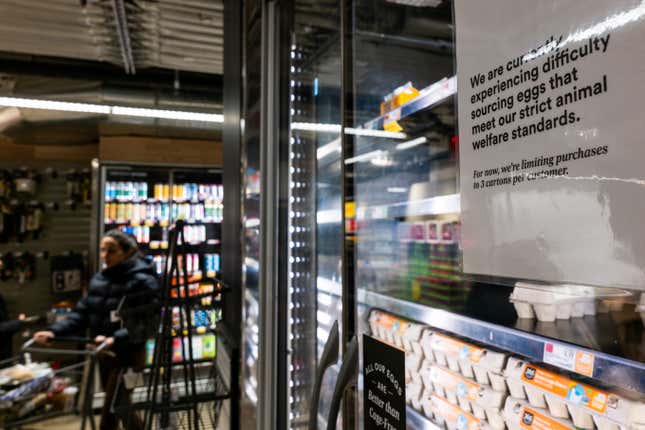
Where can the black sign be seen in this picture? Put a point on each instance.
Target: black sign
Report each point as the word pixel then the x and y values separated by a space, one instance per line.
pixel 384 385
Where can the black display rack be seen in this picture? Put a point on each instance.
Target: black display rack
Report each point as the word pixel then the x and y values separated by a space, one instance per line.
pixel 178 393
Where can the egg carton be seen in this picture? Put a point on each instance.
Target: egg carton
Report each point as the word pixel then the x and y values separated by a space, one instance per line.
pixel 413 392
pixel 566 398
pixel 452 416
pixel 412 364
pixel 411 337
pixel 565 301
pixel 482 364
pixel 519 415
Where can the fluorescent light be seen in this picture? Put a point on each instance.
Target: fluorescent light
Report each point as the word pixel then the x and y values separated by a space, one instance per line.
pixel 411 143
pixel 397 190
pixel 375 133
pixel 110 110
pixel 330 148
pixel 336 128
pixel 365 157
pixel 53 105
pixel 314 126
pixel 167 114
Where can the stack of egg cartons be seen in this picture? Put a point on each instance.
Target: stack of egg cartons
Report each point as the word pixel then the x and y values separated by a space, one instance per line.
pixel 541 396
pixel 407 336
pixel 465 376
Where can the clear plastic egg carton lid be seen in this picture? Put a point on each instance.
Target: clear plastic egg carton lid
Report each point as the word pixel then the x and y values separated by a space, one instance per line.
pixel 562 301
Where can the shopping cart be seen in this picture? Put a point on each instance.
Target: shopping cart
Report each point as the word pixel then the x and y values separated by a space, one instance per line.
pixel 24 404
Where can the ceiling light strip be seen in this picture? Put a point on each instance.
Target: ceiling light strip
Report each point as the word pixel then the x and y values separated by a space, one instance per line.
pixel 110 110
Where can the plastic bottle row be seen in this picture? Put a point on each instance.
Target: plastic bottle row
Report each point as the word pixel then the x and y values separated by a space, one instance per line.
pixel 203 347
pixel 139 191
pixel 479 383
pixel 194 235
pixel 152 213
pixel 199 318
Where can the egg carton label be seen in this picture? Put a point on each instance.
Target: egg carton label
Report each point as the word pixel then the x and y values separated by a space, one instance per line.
pixel 572 391
pixel 451 382
pixel 533 420
pixel 569 358
pixel 456 348
pixel 454 414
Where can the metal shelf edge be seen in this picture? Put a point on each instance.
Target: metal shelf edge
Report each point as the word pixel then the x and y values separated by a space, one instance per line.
pixel 415 420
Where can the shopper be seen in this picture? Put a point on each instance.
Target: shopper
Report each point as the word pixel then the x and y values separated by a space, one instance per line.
pixel 127 283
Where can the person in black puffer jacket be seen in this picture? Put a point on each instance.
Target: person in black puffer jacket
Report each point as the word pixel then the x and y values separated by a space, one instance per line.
pixel 127 282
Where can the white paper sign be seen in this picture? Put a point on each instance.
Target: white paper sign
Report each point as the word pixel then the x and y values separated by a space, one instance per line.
pixel 552 139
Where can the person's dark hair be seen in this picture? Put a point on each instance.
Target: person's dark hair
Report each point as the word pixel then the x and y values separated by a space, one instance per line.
pixel 126 241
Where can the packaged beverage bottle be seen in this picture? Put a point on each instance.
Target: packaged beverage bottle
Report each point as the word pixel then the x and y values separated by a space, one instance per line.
pixel 196 264
pixel 129 211
pixel 134 192
pixel 176 349
pixel 144 190
pixel 165 212
pixel 198 343
pixel 216 262
pixel 106 193
pixel 106 213
pixel 189 265
pixel 165 195
pixel 146 235
pixel 114 208
pixel 120 212
pixel 150 351
pixel 208 346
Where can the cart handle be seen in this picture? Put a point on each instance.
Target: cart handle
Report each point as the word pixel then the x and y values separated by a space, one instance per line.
pixel 28 347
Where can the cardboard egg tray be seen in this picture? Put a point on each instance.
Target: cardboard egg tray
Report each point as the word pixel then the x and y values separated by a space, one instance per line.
pixel 480 400
pixel 568 399
pixel 482 364
pixel 450 416
pixel 519 415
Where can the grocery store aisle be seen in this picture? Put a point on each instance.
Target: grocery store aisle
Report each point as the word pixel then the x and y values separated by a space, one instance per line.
pixel 68 422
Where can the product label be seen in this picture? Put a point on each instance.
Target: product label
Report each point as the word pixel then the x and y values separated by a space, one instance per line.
pixel 569 358
pixel 454 382
pixel 454 414
pixel 384 386
pixel 532 420
pixel 565 388
pixel 456 348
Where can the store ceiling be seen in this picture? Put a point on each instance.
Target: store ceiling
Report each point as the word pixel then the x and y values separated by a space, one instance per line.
pixel 185 35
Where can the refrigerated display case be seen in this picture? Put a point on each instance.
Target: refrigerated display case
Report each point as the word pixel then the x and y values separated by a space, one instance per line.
pixel 373 92
pixel 144 201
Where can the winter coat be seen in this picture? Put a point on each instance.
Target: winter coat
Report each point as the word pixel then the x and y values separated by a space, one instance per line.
pixel 7 329
pixel 134 279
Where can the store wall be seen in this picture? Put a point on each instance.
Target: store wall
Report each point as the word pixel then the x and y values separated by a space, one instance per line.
pixel 65 229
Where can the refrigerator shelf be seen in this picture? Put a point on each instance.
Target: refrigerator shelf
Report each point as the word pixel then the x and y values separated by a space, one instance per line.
pixel 440 205
pixel 607 369
pixel 434 94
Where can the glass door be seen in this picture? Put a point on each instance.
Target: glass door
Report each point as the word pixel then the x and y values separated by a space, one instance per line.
pixel 474 351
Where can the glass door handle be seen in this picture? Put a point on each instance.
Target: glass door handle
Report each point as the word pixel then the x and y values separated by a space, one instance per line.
pixel 327 359
pixel 346 375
